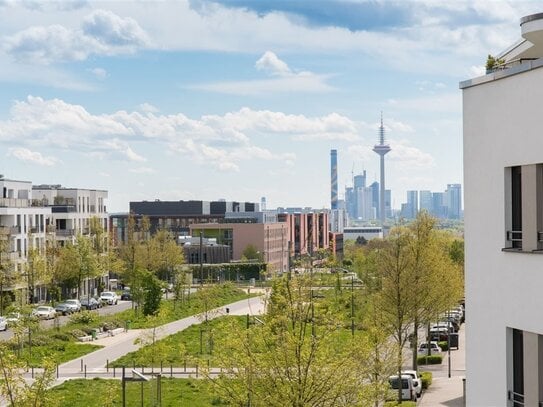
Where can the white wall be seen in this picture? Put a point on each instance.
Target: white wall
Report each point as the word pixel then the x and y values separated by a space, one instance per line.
pixel 503 127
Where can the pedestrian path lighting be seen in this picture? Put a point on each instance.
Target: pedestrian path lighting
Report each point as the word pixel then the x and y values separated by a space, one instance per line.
pixel 136 377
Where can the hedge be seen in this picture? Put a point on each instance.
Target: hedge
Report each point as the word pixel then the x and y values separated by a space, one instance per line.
pixel 444 345
pixel 430 360
pixel 404 404
pixel 426 378
pixel 230 271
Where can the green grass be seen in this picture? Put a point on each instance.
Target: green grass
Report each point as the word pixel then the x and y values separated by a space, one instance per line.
pixel 190 341
pixel 60 344
pixel 107 393
pixel 60 351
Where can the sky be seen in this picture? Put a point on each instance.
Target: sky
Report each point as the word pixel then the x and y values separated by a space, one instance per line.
pixel 240 99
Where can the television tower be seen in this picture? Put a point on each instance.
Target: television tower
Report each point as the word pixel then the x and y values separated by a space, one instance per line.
pixel 382 149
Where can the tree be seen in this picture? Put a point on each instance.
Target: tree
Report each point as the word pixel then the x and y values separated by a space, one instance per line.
pixel 6 271
pixel 16 390
pixel 290 356
pixel 35 271
pixel 251 253
pixel 397 298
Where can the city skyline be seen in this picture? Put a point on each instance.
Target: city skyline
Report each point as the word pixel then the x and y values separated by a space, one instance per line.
pixel 238 99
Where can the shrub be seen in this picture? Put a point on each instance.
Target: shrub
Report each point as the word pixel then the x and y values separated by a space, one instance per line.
pixel 404 404
pixel 61 336
pixel 40 340
pixel 83 317
pixel 444 345
pixel 78 333
pixel 429 360
pixel 426 378
pixel 109 325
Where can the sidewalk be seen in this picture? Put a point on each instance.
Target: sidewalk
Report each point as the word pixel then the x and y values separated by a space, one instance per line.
pixel 446 391
pixel 120 345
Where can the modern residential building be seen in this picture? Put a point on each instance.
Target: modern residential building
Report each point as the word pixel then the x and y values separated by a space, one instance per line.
pixel 72 209
pixel 503 180
pixel 308 231
pixel 22 228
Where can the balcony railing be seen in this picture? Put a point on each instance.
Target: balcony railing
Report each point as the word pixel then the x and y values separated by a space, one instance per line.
pixel 9 230
pixel 14 203
pixel 514 235
pixel 65 232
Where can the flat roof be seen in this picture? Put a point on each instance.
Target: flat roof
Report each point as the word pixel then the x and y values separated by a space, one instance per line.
pixel 503 73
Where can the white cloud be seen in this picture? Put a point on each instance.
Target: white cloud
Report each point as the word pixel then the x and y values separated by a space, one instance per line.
pixel 443 102
pixel 102 33
pixel 221 141
pixel 100 73
pixel 142 170
pixel 269 62
pixel 24 154
pixel 282 80
pixel 148 108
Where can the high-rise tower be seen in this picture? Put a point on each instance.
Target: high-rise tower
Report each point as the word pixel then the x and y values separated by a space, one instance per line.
pixel 333 179
pixel 382 149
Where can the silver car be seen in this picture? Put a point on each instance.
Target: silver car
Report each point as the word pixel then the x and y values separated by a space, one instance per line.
pixel 44 312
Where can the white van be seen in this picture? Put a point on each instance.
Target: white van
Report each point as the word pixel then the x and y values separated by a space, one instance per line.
pixel 408 389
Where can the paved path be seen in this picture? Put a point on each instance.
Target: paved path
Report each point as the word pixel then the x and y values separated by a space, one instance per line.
pixel 446 391
pixel 120 345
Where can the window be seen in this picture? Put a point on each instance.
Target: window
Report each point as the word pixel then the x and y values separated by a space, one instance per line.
pixel 516 207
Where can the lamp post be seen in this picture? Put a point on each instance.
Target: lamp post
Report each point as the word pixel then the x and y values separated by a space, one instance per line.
pixel 449 325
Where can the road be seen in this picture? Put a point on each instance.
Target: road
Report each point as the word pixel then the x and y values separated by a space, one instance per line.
pixel 63 320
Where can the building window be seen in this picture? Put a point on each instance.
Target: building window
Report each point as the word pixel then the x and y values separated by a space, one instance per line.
pixel 516 394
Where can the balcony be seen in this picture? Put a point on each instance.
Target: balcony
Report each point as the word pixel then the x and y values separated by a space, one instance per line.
pixel 65 232
pixel 9 230
pixel 14 203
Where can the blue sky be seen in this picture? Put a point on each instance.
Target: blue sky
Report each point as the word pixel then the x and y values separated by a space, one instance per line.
pixel 240 99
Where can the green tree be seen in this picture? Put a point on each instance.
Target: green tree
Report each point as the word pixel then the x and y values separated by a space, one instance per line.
pixel 289 357
pixel 251 253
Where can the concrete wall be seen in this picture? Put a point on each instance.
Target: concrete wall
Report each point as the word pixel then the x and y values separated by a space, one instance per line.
pixel 503 125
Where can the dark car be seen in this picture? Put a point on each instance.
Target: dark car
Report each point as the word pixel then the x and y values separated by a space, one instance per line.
pixel 126 295
pixel 89 303
pixel 63 309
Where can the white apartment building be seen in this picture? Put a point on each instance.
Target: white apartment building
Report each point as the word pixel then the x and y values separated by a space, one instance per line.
pixel 72 209
pixel 503 170
pixel 22 225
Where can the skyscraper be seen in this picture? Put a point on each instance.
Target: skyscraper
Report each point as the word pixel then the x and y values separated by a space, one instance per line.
pixel 454 201
pixel 426 202
pixel 333 179
pixel 413 203
pixel 382 149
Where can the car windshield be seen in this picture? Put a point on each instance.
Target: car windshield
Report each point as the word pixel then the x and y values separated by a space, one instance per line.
pixel 43 308
pixel 71 301
pixel 394 383
pixel 107 294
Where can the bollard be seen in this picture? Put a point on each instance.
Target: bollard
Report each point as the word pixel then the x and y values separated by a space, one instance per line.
pixel 81 365
pixel 85 371
pixel 114 372
pixel 171 371
pixel 185 366
pixel 161 366
pixel 107 365
pixel 32 371
pixel 208 364
pixel 57 372
pixel 196 370
pixel 464 391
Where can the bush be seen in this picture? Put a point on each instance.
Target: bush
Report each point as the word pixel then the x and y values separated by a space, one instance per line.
pixel 404 404
pixel 444 345
pixel 78 333
pixel 426 378
pixel 83 317
pixel 59 336
pixel 40 340
pixel 430 360
pixel 109 325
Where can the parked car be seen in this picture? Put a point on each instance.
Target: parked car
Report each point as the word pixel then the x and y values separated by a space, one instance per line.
pixel 44 312
pixel 13 318
pixel 109 298
pixel 74 304
pixel 126 295
pixel 90 303
pixel 3 324
pixel 434 348
pixel 417 381
pixel 439 334
pixel 408 390
pixel 63 309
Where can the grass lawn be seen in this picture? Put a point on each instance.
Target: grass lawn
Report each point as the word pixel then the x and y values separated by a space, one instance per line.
pixel 61 344
pixel 190 344
pixel 107 393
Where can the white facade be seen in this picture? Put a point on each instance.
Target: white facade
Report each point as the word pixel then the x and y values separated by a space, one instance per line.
pixel 367 232
pixel 503 144
pixel 22 225
pixel 72 209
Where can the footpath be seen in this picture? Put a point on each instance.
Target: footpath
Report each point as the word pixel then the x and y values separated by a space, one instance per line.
pixel 119 345
pixel 445 391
